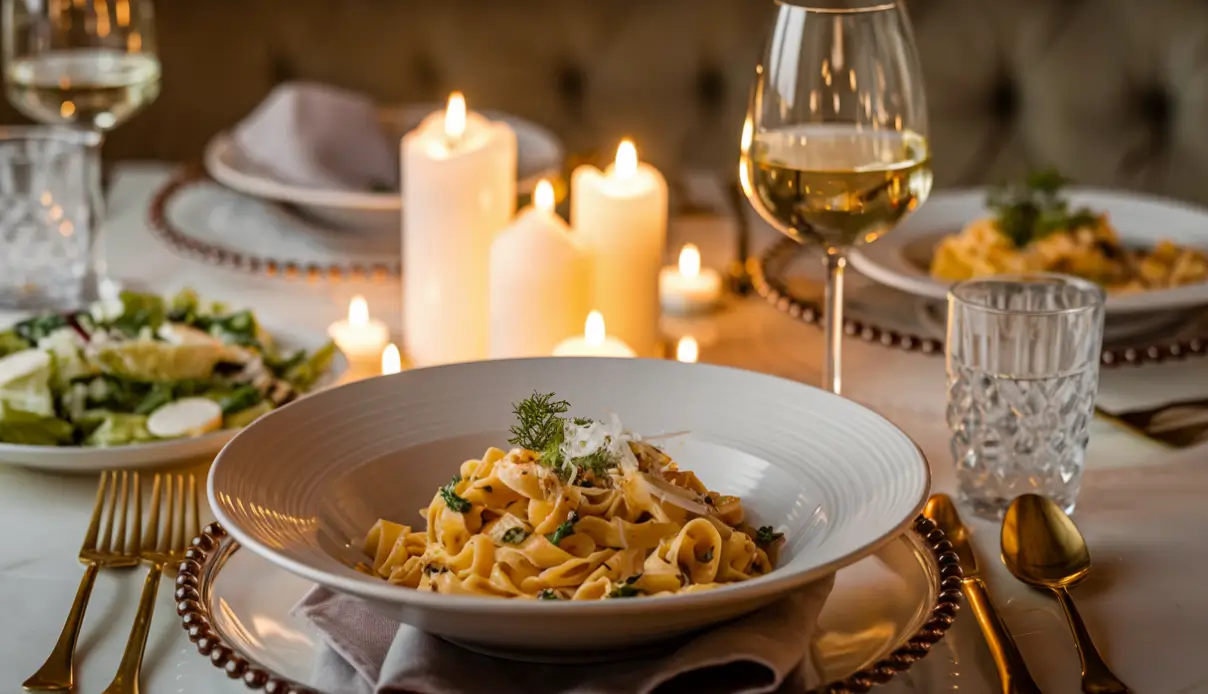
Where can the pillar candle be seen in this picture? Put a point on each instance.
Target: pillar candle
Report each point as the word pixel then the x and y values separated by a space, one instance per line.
pixel 539 282
pixel 622 215
pixel 459 191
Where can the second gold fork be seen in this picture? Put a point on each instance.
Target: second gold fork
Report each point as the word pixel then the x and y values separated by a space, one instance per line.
pixel 163 543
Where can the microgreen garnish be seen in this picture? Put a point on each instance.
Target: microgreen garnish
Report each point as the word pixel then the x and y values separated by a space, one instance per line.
pixel 565 530
pixel 1025 213
pixel 514 536
pixel 452 500
pixel 766 535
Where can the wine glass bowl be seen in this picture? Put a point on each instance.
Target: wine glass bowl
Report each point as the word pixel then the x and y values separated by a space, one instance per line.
pixel 88 63
pixel 834 148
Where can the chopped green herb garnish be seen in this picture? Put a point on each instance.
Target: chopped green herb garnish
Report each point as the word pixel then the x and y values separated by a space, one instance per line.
pixel 432 569
pixel 627 589
pixel 452 500
pixel 766 535
pixel 1036 209
pixel 488 488
pixel 706 557
pixel 514 536
pixel 565 530
pixel 547 594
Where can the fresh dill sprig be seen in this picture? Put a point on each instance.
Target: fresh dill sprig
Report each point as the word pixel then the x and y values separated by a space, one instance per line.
pixel 452 500
pixel 538 425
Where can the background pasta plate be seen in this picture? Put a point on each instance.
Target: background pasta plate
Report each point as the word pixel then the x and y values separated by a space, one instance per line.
pixel 303 484
pixel 901 259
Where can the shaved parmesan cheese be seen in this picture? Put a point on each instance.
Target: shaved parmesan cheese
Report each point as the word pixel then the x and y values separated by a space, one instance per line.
pixel 186 417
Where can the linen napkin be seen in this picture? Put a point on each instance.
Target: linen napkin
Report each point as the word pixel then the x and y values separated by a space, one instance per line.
pixel 322 136
pixel 363 652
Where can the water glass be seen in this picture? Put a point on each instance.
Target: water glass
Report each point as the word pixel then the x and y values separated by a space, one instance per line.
pixel 1023 367
pixel 48 179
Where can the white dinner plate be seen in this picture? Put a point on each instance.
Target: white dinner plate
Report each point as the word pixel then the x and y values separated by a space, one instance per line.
pixel 539 155
pixel 901 258
pixel 303 484
pixel 86 459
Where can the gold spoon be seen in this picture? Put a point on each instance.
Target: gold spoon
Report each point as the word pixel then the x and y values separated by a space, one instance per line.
pixel 1042 547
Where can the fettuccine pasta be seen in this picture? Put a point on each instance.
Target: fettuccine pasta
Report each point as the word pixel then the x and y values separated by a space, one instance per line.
pixel 579 510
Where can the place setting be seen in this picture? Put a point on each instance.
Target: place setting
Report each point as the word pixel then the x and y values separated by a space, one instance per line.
pixel 537 421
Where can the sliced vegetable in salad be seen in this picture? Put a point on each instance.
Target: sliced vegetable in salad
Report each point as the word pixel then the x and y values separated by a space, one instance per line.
pixel 144 368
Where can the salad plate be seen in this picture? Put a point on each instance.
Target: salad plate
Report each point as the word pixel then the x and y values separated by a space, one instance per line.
pixel 884 614
pixel 539 155
pixel 304 484
pixel 145 381
pixel 903 259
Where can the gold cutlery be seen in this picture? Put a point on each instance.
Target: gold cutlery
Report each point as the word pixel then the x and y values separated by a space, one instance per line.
pixel 1012 671
pixel 1042 547
pixel 162 544
pixel 119 505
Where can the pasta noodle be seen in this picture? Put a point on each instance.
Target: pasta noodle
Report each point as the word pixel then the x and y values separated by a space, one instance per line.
pixel 596 513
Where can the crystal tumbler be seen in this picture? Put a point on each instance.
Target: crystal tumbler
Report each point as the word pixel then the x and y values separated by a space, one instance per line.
pixel 48 194
pixel 1023 366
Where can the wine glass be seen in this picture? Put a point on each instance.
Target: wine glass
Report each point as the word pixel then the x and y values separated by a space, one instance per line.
pixel 84 63
pixel 834 147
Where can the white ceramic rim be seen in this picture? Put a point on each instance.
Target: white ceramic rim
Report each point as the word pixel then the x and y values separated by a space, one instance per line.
pixel 1188 296
pixel 763 586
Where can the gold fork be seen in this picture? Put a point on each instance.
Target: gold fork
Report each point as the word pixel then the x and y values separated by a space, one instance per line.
pixel 162 544
pixel 118 498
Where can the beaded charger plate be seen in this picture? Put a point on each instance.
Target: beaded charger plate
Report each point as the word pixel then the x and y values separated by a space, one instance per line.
pixel 884 614
pixel 789 277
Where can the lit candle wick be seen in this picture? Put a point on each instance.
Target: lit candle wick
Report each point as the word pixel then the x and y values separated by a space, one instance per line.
pixel 543 196
pixel 358 311
pixel 627 160
pixel 455 118
pixel 392 360
pixel 593 331
pixel 689 260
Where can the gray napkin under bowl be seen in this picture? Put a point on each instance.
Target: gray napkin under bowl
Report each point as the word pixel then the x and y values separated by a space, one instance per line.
pixel 366 653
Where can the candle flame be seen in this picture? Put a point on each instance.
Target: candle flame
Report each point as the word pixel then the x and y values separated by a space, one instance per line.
pixel 689 260
pixel 358 311
pixel 455 116
pixel 593 331
pixel 627 159
pixel 392 360
pixel 687 350
pixel 744 175
pixel 543 196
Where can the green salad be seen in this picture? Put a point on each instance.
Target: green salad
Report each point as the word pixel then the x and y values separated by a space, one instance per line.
pixel 144 368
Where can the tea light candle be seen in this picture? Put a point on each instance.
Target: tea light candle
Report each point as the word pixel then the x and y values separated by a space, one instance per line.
pixel 459 191
pixel 622 215
pixel 688 288
pixel 392 360
pixel 687 350
pixel 540 282
pixel 594 343
pixel 360 338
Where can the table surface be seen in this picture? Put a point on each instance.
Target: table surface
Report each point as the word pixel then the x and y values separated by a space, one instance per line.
pixel 44 515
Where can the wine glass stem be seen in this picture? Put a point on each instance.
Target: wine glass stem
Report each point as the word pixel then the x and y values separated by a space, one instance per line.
pixel 98 270
pixel 836 261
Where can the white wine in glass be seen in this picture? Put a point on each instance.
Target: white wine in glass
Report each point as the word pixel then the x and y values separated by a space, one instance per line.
pixel 834 149
pixel 97 88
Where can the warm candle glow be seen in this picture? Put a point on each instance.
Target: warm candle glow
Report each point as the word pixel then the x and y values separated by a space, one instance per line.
pixel 455 116
pixel 593 331
pixel 687 350
pixel 543 196
pixel 627 159
pixel 358 311
pixel 689 260
pixel 744 176
pixel 392 360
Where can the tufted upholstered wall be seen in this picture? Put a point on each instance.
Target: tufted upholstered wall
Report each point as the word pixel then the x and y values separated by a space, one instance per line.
pixel 1112 91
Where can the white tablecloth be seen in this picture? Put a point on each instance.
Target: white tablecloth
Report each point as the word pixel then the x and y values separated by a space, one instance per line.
pixel 1143 601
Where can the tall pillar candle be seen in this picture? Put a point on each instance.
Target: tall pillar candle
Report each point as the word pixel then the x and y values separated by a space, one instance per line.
pixel 540 282
pixel 622 215
pixel 459 191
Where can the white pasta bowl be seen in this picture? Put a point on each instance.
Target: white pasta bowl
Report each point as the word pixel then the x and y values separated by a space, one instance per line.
pixel 303 484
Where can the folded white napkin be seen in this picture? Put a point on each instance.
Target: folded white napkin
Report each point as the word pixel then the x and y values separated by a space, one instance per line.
pixel 767 651
pixel 322 136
